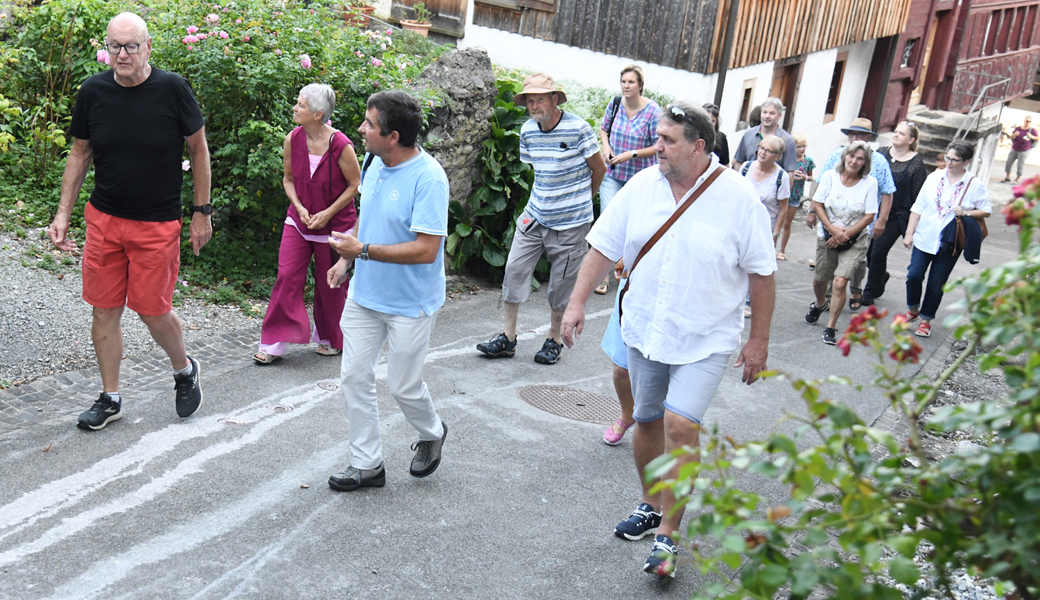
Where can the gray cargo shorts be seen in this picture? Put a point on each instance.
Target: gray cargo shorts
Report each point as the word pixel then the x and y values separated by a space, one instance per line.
pixel 565 250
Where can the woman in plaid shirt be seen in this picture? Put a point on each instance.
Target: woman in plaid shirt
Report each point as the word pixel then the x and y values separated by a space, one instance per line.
pixel 628 135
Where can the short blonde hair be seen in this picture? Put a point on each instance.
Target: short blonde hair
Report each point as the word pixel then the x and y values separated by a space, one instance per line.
pixel 774 143
pixel 639 74
pixel 799 138
pixel 868 156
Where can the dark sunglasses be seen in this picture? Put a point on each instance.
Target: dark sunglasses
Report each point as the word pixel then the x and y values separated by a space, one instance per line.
pixel 679 115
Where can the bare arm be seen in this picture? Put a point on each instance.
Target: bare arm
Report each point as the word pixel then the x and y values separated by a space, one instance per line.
pixel 762 289
pixel 420 251
pixel 627 156
pixel 201 225
pixel 71 182
pixel 594 269
pixel 604 143
pixel 883 213
pixel 911 227
pixel 599 170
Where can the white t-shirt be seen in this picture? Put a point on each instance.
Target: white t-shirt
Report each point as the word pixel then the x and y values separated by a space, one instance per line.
pixel 972 195
pixel 768 192
pixel 686 297
pixel 846 205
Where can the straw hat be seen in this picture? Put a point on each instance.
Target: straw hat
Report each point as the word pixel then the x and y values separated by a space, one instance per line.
pixel 539 83
pixel 860 125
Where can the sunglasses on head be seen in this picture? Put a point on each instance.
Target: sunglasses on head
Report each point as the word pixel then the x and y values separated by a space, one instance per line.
pixel 679 115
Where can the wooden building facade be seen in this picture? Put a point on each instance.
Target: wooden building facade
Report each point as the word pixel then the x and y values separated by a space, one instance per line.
pixel 688 34
pixel 951 50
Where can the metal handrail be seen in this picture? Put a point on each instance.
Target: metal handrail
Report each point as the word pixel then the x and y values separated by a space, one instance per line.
pixel 978 99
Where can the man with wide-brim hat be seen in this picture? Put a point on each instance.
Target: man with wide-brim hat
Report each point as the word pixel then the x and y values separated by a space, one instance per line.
pixel 568 168
pixel 862 130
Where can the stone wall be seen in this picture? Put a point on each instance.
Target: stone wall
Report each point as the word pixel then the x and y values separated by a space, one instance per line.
pixel 466 82
pixel 938 129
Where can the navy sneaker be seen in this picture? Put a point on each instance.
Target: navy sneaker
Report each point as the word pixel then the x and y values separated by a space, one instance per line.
pixel 104 411
pixel 642 522
pixel 550 352
pixel 498 346
pixel 830 335
pixel 661 561
pixel 814 312
pixel 189 391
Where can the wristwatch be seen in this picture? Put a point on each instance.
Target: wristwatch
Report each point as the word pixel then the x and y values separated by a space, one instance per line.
pixel 206 209
pixel 364 252
pixel 635 155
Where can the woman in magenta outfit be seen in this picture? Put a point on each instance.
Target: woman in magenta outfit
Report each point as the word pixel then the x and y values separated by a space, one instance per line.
pixel 320 178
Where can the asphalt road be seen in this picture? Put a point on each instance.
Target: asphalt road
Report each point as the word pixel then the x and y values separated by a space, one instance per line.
pixel 522 506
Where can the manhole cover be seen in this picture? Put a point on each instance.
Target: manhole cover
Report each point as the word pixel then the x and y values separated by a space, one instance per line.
pixel 329 385
pixel 571 403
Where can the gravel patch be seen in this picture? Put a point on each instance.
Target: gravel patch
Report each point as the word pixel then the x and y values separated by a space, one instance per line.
pixel 45 324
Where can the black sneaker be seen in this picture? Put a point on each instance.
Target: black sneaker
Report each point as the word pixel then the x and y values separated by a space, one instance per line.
pixel 189 391
pixel 427 455
pixel 814 313
pixel 661 561
pixel 550 352
pixel 104 411
pixel 498 346
pixel 642 522
pixel 353 478
pixel 828 335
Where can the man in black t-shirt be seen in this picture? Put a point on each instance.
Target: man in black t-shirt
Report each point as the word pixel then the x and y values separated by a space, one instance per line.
pixel 133 122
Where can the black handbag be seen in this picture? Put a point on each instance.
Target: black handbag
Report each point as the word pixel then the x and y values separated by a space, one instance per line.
pixel 841 247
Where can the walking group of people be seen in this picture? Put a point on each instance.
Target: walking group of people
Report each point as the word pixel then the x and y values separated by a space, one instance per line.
pixel 679 220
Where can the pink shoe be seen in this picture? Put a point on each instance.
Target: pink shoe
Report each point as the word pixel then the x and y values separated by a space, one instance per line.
pixel 613 439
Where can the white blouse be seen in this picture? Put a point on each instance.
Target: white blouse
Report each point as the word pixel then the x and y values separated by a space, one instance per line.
pixel 936 205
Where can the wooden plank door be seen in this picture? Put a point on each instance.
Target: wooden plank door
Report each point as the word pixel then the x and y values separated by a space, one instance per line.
pixel 447 16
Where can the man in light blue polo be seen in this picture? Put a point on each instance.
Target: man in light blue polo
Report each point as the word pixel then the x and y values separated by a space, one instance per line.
pixel 398 287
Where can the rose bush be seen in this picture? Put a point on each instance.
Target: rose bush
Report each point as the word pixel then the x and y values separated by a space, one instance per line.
pixel 864 505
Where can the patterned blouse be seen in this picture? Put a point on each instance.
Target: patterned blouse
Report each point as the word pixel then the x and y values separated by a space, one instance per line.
pixel 805 165
pixel 628 135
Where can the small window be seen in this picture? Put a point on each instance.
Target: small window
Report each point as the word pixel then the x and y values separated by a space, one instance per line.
pixel 908 52
pixel 745 99
pixel 835 88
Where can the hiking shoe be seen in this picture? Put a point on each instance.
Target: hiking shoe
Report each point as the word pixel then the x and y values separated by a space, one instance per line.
pixel 550 352
pixel 498 346
pixel 829 334
pixel 189 391
pixel 427 455
pixel 354 478
pixel 814 313
pixel 924 329
pixel 642 521
pixel 661 561
pixel 104 411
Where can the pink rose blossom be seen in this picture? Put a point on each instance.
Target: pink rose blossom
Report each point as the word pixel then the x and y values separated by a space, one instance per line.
pixel 186 165
pixel 192 29
pixel 203 36
pixel 102 57
pixel 389 31
pixel 277 13
pixel 375 84
pixel 224 35
pixel 245 39
pixel 191 48
pixel 312 11
pixel 376 62
pixel 359 54
pixel 238 21
pixel 226 9
pixel 212 18
pixel 277 52
pixel 305 61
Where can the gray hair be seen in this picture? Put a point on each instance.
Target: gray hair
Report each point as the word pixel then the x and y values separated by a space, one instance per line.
pixel 320 97
pixel 868 156
pixel 775 103
pixel 700 129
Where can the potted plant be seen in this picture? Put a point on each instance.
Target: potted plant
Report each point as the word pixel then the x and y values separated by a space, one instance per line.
pixel 357 13
pixel 421 23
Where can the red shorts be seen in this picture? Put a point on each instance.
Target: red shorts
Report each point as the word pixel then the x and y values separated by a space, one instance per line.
pixel 130 263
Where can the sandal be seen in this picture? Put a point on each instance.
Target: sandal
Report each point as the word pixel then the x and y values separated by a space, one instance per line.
pixel 812 266
pixel 780 256
pixel 611 438
pixel 327 350
pixel 855 303
pixel 602 288
pixel 264 358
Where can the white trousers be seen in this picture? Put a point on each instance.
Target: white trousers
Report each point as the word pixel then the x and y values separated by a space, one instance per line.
pixel 364 332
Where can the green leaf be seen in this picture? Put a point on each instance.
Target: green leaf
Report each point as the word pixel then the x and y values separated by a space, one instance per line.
pixel 463 229
pixel 493 256
pixel 734 543
pixel 731 559
pixel 774 575
pixel 903 570
pixel 1026 442
pixel 904 544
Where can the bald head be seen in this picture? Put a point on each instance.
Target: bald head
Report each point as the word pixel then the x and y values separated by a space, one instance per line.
pixel 128 22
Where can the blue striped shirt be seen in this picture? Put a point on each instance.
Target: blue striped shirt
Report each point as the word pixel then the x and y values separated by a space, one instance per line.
pixel 562 194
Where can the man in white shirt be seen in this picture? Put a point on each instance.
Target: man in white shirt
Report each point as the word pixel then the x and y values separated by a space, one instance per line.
pixel 683 313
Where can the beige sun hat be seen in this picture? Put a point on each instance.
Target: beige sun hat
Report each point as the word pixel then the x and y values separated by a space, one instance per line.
pixel 539 83
pixel 860 125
